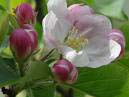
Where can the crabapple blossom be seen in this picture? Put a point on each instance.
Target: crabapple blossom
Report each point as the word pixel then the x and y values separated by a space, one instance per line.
pixel 79 35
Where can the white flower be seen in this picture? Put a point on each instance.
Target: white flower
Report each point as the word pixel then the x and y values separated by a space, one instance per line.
pixel 81 36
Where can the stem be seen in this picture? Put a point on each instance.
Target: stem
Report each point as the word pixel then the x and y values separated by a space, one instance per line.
pixel 46 56
pixel 65 93
pixel 41 8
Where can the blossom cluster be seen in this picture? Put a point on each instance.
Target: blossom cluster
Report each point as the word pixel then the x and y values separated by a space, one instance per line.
pixel 82 37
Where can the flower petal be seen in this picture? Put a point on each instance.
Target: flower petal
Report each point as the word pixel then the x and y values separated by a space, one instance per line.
pixel 77 10
pixel 96 29
pixel 79 59
pixel 115 49
pixel 59 7
pixel 104 58
pixel 55 30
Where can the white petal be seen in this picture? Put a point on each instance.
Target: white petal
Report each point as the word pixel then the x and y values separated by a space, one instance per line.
pixel 115 49
pixel 79 59
pixel 97 29
pixel 105 59
pixel 55 30
pixel 59 7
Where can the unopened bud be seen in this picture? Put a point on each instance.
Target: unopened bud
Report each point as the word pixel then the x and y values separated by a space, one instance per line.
pixel 25 14
pixel 65 71
pixel 22 43
pixel 118 36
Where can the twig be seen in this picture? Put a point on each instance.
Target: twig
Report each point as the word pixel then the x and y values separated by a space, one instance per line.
pixel 46 56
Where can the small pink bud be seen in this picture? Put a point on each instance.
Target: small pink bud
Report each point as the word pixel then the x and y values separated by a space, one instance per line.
pixel 65 71
pixel 118 36
pixel 22 43
pixel 25 14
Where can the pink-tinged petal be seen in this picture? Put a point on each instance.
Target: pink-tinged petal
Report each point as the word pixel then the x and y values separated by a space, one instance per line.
pixel 59 7
pixel 104 58
pixel 97 29
pixel 79 59
pixel 55 30
pixel 77 10
pixel 93 25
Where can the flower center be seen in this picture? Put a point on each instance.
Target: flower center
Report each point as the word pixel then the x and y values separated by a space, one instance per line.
pixel 75 40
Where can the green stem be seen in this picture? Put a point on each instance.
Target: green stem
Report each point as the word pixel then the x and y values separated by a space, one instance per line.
pixel 47 55
pixel 65 93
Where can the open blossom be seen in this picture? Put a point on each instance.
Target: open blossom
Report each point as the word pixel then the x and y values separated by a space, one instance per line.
pixel 65 71
pixel 25 14
pixel 79 34
pixel 23 42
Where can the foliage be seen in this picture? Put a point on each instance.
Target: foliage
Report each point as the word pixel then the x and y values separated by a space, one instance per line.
pixel 106 81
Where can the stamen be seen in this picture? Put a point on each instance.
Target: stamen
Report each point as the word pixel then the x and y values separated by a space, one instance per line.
pixel 75 40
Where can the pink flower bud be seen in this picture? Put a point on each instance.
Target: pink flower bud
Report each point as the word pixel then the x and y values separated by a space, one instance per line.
pixel 65 71
pixel 34 36
pixel 118 36
pixel 25 14
pixel 23 42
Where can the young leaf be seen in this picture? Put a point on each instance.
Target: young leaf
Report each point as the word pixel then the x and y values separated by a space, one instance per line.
pixel 107 81
pixel 8 73
pixel 37 70
pixel 4 25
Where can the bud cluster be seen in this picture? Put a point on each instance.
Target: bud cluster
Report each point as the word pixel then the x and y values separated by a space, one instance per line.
pixel 24 40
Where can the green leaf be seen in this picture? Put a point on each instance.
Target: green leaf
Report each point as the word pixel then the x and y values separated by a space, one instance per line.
pixel 70 2
pixel 2 8
pixel 111 8
pixel 125 29
pixel 13 21
pixel 107 81
pixel 5 4
pixel 38 70
pixel 126 8
pixel 15 3
pixel 4 25
pixel 8 73
pixel 43 90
